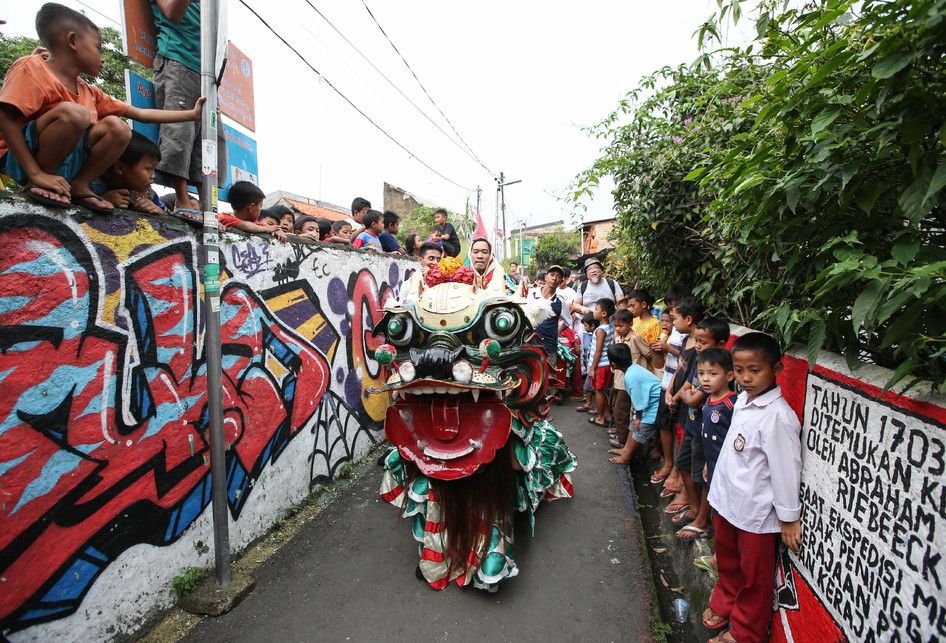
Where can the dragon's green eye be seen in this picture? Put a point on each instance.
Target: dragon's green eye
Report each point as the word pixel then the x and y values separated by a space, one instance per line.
pixel 400 330
pixel 501 323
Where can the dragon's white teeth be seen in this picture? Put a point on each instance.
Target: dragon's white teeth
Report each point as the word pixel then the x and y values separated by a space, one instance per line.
pixel 394 395
pixel 440 390
pixel 427 390
pixel 476 394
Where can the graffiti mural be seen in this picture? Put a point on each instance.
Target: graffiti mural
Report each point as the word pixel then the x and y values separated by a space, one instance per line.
pixel 103 419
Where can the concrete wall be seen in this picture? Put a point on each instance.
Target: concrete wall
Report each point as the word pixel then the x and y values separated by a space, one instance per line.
pixel 871 566
pixel 104 485
pixel 399 200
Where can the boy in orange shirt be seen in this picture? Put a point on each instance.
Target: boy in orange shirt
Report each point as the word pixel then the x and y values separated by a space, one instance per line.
pixel 60 133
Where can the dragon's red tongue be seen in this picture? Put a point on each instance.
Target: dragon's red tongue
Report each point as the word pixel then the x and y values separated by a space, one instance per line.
pixel 428 431
pixel 445 414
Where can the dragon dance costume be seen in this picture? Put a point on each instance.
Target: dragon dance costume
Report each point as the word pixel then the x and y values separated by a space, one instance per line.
pixel 467 419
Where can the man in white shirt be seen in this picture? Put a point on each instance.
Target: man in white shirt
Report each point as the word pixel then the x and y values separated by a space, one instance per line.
pixel 597 287
pixel 755 493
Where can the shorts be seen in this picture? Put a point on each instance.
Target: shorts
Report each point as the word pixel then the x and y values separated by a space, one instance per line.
pixel 645 433
pixel 177 88
pixel 621 412
pixel 690 457
pixel 604 377
pixel 664 421
pixel 69 167
pixel 589 385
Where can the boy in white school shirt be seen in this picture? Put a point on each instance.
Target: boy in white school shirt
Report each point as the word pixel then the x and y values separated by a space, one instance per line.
pixel 755 494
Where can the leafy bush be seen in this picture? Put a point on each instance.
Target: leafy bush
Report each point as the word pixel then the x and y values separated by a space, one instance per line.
pixel 556 247
pixel 798 183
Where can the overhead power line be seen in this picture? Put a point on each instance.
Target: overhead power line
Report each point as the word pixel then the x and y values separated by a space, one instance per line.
pixel 390 82
pixel 426 93
pixel 349 101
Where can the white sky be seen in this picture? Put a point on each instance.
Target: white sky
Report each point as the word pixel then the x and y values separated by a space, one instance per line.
pixel 517 79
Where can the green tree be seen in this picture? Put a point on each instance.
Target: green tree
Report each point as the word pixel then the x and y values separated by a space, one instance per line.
pixel 798 183
pixel 558 247
pixel 114 62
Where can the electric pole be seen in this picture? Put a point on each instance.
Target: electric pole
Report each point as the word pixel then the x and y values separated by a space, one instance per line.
pixel 501 196
pixel 211 311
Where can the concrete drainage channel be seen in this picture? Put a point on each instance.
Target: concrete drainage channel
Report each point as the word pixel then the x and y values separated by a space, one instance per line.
pixel 671 561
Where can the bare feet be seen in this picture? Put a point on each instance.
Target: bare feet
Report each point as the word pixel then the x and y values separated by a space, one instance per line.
pixel 620 456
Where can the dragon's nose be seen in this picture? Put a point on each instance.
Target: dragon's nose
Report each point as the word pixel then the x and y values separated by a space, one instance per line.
pixel 435 362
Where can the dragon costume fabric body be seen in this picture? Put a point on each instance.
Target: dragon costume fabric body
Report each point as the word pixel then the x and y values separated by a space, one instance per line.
pixel 467 421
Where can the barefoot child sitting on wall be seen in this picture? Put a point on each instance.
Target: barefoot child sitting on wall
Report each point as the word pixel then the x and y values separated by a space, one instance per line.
pixel 127 183
pixel 60 133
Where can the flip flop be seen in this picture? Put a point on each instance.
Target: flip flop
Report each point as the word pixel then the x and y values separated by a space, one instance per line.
pixel 692 533
pixel 582 408
pixel 725 637
pixel 42 200
pixel 657 478
pixel 82 200
pixel 682 519
pixel 676 510
pixel 667 493
pixel 718 625
pixel 592 421
pixel 192 216
pixel 614 442
pixel 705 563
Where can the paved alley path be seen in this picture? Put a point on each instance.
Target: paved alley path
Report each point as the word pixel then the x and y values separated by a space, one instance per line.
pixel 349 574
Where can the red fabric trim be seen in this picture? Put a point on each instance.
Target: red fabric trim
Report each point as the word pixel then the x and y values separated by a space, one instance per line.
pixel 393 493
pixel 430 554
pixel 434 527
pixel 566 483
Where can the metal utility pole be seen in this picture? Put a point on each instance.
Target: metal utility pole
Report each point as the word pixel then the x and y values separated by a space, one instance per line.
pixel 501 192
pixel 211 243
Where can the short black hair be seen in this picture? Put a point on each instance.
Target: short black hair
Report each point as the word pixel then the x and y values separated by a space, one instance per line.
pixel 619 354
pixel 540 276
pixel 359 203
pixel 440 211
pixel 677 292
pixel 642 295
pixel 338 225
pixel 691 307
pixel 764 345
pixel 370 217
pixel 267 213
pixel 718 356
pixel 325 227
pixel 53 19
pixel 513 263
pixel 590 320
pixel 304 219
pixel 244 193
pixel 607 305
pixel 436 228
pixel 140 147
pixel 718 328
pixel 390 218
pixel 427 247
pixel 624 316
pixel 279 211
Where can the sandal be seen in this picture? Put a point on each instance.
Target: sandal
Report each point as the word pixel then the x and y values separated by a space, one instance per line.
pixel 725 637
pixel 84 201
pixel 35 197
pixel 705 563
pixel 717 623
pixel 670 509
pixel 667 493
pixel 682 518
pixel 596 423
pixel 690 533
pixel 583 408
pixel 657 478
pixel 614 442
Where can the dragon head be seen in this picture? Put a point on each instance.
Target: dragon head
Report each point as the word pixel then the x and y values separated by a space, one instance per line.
pixel 461 365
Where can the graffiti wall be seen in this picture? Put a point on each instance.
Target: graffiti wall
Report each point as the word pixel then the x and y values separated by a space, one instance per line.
pixel 104 469
pixel 873 492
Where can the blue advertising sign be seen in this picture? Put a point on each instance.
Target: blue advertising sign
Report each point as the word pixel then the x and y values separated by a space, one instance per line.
pixel 241 149
pixel 241 160
pixel 140 92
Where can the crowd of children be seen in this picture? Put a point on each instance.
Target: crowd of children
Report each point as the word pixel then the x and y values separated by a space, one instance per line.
pixel 64 141
pixel 668 386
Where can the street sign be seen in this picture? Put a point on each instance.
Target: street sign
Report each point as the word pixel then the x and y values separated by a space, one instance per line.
pixel 139 37
pixel 241 160
pixel 235 94
pixel 140 93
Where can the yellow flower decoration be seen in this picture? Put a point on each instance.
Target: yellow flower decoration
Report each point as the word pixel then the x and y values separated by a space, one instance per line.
pixel 449 265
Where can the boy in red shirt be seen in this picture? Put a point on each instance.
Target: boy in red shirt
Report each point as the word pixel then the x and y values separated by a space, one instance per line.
pixel 60 133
